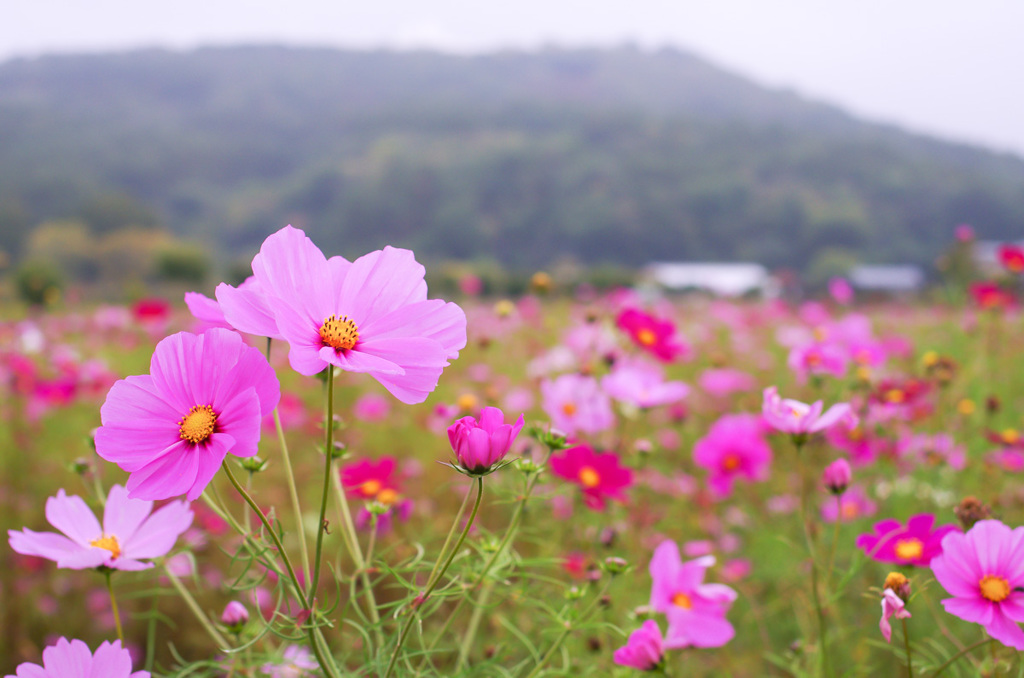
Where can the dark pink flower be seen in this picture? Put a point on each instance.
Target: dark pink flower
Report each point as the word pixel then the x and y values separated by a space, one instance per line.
pixel 643 651
pixel 481 443
pixel 984 572
pixel 695 610
pixel 600 475
pixel 657 337
pixel 205 396
pixel 372 480
pixel 915 543
pixel 131 532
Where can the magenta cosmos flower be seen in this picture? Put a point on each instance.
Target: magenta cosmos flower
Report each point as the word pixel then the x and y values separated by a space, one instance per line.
pixel 915 543
pixel 481 443
pixel 204 397
pixel 657 337
pixel 984 570
pixel 643 651
pixel 72 659
pixel 371 315
pixel 733 448
pixel 695 610
pixel 576 403
pixel 131 532
pixel 600 475
pixel 797 418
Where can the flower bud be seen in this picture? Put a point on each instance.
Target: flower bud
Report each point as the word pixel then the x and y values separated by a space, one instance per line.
pixel 837 476
pixel 254 464
pixel 480 444
pixel 234 616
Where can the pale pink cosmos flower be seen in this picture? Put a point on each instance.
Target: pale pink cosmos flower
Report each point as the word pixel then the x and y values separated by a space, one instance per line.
pixel 892 606
pixel 797 418
pixel 130 535
pixel 644 650
pixel 724 381
pixel 72 659
pixel 371 315
pixel 296 661
pixel 371 407
pixel 575 403
pixel 695 610
pixel 642 385
pixel 204 397
pixel 817 359
pixel 849 506
pixel 983 569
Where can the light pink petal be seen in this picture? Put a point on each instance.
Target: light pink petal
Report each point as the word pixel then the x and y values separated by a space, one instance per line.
pixel 171 475
pixel 111 661
pixel 951 575
pixel 831 417
pixel 987 537
pixel 251 371
pixel 72 516
pixel 129 442
pixel 359 361
pixel 172 366
pixel 247 311
pixel 241 419
pixel 433 319
pixel 122 516
pixel 1006 631
pixel 43 544
pixel 977 610
pixel 137 397
pixel 68 660
pixel 209 460
pixel 664 568
pixel 159 532
pixel 31 671
pixel 380 282
pixel 710 631
pixel 293 273
pixel 84 559
pixel 205 309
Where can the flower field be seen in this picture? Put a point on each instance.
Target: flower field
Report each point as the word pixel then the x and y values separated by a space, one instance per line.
pixel 326 471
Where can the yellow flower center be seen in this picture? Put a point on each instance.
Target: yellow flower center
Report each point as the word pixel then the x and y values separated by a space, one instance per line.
pixel 909 549
pixel 589 477
pixel 814 359
pixel 467 402
pixel 895 581
pixel 569 409
pixel 682 600
pixel 820 333
pixel 340 334
pixel 863 357
pixel 646 337
pixel 370 488
pixel 387 496
pixel 994 588
pixel 198 424
pixel 930 358
pixel 855 434
pixel 965 406
pixel 1010 436
pixel 895 396
pixel 108 542
pixel 850 510
pixel 731 462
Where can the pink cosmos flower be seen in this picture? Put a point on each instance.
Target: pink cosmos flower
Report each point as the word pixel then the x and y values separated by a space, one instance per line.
pixel 481 443
pixel 695 610
pixel 131 533
pixel 916 543
pixel 721 382
pixel 599 474
pixel 247 309
pixel 851 505
pixel 206 310
pixel 205 396
pixel 372 480
pixel 657 337
pixel 797 418
pixel 296 661
pixel 576 403
pixel 841 290
pixel 983 570
pixel 643 651
pixel 72 659
pixel 372 407
pixel 818 358
pixel 1011 257
pixel 892 606
pixel 734 447
pixel 642 385
pixel 371 315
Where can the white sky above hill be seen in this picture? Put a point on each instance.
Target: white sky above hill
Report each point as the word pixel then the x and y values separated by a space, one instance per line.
pixel 950 68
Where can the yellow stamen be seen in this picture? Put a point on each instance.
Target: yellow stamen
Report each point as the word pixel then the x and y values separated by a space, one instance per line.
pixel 387 496
pixel 682 600
pixel 965 406
pixel 850 510
pixel 108 542
pixel 569 409
pixel 1010 436
pixel 340 334
pixel 895 581
pixel 589 477
pixel 467 402
pixel 909 549
pixel 895 396
pixel 370 488
pixel 731 462
pixel 994 588
pixel 814 359
pixel 198 424
pixel 646 337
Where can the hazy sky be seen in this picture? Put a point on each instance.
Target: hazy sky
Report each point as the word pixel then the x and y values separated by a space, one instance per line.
pixel 947 67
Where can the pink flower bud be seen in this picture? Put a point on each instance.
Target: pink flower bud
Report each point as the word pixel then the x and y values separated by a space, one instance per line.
pixel 837 476
pixel 481 443
pixel 234 615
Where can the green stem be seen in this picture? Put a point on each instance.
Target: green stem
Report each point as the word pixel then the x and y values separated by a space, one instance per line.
pixel 567 630
pixel 315 637
pixel 328 458
pixel 113 606
pixel 906 645
pixel 835 539
pixel 451 533
pixel 431 585
pixel 959 654
pixel 815 594
pixel 348 535
pixel 222 644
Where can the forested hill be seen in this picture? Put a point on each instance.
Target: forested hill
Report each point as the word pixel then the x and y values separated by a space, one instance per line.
pixel 606 155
